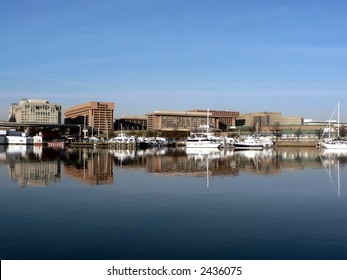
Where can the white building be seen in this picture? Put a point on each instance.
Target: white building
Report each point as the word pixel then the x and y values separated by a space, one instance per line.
pixel 35 111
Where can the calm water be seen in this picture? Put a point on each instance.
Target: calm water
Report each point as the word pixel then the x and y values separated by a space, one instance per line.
pixel 172 204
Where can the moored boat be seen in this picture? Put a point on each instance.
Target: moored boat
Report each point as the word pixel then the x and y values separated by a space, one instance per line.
pixel 337 143
pixel 201 140
pixel 249 143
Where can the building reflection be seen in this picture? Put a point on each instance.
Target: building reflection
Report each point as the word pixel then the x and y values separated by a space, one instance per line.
pixel 184 162
pixel 28 166
pixel 93 167
pixel 37 166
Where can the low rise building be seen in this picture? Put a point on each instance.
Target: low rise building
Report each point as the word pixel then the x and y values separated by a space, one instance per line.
pixel 267 119
pixel 225 119
pixel 190 120
pixel 131 123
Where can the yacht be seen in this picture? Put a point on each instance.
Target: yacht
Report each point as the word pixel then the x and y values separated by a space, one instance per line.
pixel 201 140
pixel 249 143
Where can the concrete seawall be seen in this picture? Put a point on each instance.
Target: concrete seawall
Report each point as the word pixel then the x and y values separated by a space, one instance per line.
pixel 296 143
pixel 103 145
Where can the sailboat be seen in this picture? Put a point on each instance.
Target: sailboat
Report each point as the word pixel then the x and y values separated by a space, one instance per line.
pixel 337 143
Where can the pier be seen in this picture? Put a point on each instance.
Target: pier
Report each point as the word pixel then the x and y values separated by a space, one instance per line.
pixel 296 143
pixel 102 145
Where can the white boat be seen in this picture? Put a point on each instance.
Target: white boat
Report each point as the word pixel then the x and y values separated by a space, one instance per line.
pixel 336 143
pixel 201 140
pixel 123 139
pixel 13 137
pixel 266 141
pixel 249 143
pixel 16 140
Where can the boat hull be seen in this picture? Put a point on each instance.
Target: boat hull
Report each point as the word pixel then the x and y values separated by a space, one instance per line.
pixel 239 146
pixel 202 144
pixel 334 145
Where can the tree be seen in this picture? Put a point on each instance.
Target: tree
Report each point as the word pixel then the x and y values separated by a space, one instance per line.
pixel 343 131
pixel 319 133
pixel 298 133
pixel 276 130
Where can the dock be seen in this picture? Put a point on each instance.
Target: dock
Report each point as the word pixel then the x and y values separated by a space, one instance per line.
pixel 102 145
pixel 296 143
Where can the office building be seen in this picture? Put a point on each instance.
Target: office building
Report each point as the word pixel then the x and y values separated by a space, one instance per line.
pixel 190 120
pixel 35 111
pixel 97 115
pixel 267 119
pixel 131 123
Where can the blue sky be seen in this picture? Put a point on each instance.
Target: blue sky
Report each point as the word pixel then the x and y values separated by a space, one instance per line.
pixel 247 56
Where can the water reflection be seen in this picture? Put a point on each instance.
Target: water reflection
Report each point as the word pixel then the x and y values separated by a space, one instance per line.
pixel 333 162
pixel 28 167
pixel 187 204
pixel 93 167
pixel 37 166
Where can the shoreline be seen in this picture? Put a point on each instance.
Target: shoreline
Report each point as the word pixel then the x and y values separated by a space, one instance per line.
pixel 296 143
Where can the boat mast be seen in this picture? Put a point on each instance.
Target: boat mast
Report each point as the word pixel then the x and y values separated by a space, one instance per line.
pixel 338 177
pixel 338 120
pixel 207 174
pixel 208 124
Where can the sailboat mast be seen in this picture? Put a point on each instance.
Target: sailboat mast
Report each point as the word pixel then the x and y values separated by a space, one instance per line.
pixel 207 174
pixel 208 124
pixel 338 120
pixel 338 177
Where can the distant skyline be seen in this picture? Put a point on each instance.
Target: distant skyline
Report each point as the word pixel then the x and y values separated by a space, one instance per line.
pixel 246 56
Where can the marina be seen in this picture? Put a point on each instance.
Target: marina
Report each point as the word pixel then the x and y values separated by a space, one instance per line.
pixel 183 138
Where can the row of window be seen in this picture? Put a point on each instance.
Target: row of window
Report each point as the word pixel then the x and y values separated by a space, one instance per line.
pixel 183 122
pixel 43 107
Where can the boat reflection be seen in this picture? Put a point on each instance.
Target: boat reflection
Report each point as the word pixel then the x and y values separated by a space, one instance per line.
pixel 40 166
pixel 333 160
pixel 202 157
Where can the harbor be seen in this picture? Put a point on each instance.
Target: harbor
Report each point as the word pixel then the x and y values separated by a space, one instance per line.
pixel 18 138
pixel 188 139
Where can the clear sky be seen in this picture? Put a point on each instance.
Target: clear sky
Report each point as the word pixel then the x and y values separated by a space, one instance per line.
pixel 147 55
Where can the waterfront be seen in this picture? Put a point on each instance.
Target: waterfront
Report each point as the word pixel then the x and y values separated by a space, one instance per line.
pixel 285 203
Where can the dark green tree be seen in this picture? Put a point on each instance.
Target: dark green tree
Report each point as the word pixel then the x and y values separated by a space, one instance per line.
pixel 343 131
pixel 319 133
pixel 298 133
pixel 276 130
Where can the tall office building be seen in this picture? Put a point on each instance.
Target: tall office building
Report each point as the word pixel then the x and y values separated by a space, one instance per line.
pixel 98 115
pixel 35 111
